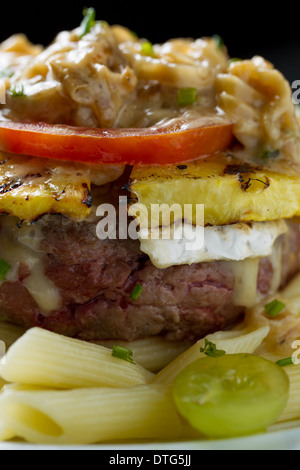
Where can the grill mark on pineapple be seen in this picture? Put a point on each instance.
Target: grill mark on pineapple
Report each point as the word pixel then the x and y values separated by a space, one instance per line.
pixel 242 172
pixel 88 200
pixel 7 187
pixel 19 179
pixel 182 167
pixel 245 185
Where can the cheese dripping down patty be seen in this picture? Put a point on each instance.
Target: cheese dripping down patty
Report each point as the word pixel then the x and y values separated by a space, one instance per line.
pixel 234 242
pixel 242 244
pixel 21 245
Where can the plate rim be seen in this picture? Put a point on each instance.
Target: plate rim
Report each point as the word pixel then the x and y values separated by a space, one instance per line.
pixel 288 439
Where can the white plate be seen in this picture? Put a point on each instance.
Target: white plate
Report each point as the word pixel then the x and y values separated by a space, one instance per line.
pixel 277 440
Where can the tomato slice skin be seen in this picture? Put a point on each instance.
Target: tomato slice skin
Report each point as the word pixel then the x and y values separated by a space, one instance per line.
pixel 232 395
pixel 155 145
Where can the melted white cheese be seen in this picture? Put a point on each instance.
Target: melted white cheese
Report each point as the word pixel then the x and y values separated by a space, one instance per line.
pixel 234 242
pixel 242 244
pixel 245 292
pixel 21 246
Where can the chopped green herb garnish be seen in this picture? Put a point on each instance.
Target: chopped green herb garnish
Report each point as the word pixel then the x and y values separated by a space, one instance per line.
pixel 269 154
pixel 136 292
pixel 211 350
pixel 88 21
pixel 147 49
pixel 219 41
pixel 6 73
pixel 274 308
pixel 285 362
pixel 234 59
pixel 186 96
pixel 4 268
pixel 123 353
pixel 17 91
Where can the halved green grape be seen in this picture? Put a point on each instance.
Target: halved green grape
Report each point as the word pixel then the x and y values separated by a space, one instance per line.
pixel 231 395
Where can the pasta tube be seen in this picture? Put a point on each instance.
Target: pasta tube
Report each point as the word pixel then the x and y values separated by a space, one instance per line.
pixel 231 342
pixel 84 416
pixel 47 359
pixel 292 409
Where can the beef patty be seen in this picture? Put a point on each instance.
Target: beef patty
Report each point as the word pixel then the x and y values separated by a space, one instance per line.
pixel 95 280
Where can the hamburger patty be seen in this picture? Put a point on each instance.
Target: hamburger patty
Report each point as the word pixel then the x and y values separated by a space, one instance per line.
pixel 96 278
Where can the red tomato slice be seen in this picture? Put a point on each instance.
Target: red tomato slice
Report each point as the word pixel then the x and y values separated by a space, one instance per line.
pixel 176 142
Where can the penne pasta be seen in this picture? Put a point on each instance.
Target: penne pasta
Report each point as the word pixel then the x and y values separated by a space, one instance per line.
pixel 107 397
pixel 88 415
pixel 231 342
pixel 292 409
pixel 292 289
pixel 47 359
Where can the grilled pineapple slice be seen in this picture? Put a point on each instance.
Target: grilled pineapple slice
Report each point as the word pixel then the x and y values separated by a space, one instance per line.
pixel 231 191
pixel 32 187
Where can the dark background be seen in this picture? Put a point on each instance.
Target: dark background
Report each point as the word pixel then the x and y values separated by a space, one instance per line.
pixel 248 28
